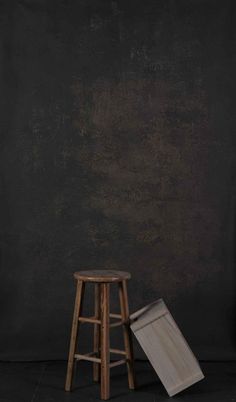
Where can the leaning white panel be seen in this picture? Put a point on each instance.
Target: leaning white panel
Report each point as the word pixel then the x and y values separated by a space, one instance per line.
pixel 165 347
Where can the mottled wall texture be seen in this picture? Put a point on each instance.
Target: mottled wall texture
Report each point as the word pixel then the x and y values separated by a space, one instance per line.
pixel 117 152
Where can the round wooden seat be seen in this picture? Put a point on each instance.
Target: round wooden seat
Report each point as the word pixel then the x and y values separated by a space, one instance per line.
pixel 102 276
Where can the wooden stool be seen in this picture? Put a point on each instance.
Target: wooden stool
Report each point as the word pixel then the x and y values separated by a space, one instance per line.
pixel 101 343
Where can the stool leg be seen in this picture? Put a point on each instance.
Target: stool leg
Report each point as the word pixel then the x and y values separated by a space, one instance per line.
pixel 105 342
pixel 127 332
pixel 96 335
pixel 74 331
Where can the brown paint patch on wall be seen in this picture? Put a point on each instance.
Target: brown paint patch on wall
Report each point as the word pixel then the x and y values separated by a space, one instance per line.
pixel 144 144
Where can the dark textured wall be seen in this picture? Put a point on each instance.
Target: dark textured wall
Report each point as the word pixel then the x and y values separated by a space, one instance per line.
pixel 117 152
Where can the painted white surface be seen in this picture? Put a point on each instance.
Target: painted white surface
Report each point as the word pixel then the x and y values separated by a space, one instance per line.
pixel 165 347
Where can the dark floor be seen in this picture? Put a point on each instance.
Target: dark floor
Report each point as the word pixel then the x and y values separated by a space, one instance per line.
pixel 44 381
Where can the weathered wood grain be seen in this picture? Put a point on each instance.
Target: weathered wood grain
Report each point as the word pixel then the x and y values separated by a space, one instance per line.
pixel 165 347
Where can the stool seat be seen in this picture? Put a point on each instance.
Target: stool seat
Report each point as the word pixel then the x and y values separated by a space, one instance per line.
pixel 102 276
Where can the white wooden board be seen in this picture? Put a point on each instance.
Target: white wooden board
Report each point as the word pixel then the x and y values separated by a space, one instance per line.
pixel 165 347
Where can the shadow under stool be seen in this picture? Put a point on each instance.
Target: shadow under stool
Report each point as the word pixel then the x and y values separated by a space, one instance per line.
pixel 101 320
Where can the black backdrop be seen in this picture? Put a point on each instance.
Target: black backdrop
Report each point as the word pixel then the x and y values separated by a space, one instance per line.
pixel 117 152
